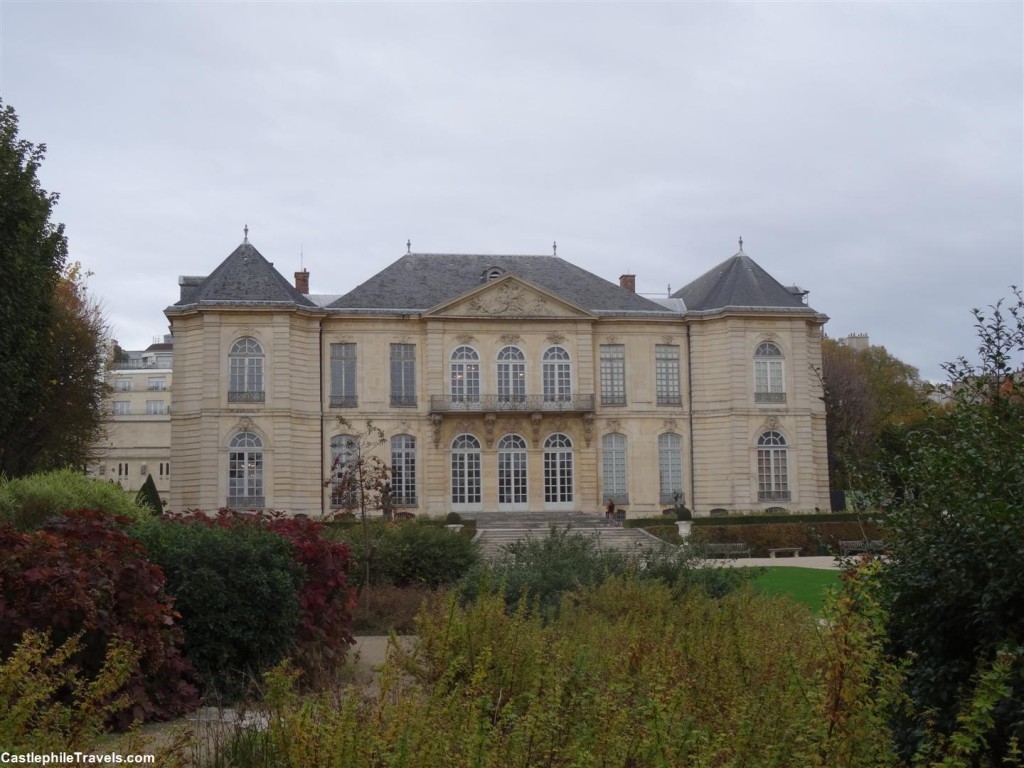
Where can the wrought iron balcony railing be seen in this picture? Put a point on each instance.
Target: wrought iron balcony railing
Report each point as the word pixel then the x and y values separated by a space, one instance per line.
pixel 344 401
pixel 493 403
pixel 769 397
pixel 246 397
pixel 241 503
pixel 773 495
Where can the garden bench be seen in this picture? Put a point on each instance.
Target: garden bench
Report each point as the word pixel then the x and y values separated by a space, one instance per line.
pixel 795 551
pixel 853 546
pixel 737 549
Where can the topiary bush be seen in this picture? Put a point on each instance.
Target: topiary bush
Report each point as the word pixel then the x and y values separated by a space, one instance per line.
pixel 236 586
pixel 82 575
pixel 28 502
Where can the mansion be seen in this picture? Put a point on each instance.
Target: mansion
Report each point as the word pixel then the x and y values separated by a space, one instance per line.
pixel 500 383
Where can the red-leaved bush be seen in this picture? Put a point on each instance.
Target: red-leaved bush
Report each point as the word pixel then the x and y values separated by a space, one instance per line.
pixel 81 573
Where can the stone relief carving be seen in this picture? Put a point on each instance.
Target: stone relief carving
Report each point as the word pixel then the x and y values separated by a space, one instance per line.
pixel 588 428
pixel 404 339
pixel 671 425
pixel 436 421
pixel 510 339
pixel 611 339
pixel 489 419
pixel 465 338
pixel 771 422
pixel 668 340
pixel 555 338
pixel 535 420
pixel 613 425
pixel 509 299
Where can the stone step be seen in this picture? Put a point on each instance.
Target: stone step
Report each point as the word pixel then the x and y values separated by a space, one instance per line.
pixel 491 540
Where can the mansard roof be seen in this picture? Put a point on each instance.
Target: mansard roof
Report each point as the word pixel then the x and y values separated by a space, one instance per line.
pixel 420 281
pixel 739 283
pixel 245 278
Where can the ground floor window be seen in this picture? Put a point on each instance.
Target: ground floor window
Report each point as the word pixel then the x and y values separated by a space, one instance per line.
pixel 512 472
pixel 403 470
pixel 465 468
pixel 558 470
pixel 245 471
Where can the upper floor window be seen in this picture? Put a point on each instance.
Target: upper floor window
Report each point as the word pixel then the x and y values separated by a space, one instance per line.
pixel 122 408
pixel 122 384
pixel 245 471
pixel 613 374
pixel 556 375
pixel 155 407
pixel 403 374
pixel 245 372
pixel 511 375
pixel 666 374
pixel 772 467
pixel 157 383
pixel 343 376
pixel 613 468
pixel 769 384
pixel 465 375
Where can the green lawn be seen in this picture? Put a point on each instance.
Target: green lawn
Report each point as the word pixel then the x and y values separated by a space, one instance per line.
pixel 805 585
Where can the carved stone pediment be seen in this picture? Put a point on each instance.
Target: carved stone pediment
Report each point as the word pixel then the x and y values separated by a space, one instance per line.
pixel 509 298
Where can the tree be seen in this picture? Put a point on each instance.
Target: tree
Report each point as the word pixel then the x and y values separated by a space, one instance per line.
pixel 954 585
pixel 51 333
pixel 866 392
pixel 360 482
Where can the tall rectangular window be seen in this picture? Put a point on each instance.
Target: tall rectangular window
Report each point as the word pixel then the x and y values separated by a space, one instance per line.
pixel 670 469
pixel 403 374
pixel 403 470
pixel 122 408
pixel 666 374
pixel 157 383
pixel 122 384
pixel 343 376
pixel 613 374
pixel 613 468
pixel 155 407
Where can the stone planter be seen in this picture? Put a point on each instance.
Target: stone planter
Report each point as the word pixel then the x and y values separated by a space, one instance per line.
pixel 684 528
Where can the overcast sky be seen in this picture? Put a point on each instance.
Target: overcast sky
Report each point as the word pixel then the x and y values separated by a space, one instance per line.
pixel 872 153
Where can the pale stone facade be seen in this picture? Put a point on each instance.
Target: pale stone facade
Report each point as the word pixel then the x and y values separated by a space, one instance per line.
pixel 500 383
pixel 137 435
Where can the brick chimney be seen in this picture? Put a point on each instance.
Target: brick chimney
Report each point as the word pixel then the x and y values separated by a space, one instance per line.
pixel 628 282
pixel 302 281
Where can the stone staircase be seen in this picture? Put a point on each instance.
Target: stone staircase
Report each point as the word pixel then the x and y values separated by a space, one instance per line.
pixel 496 529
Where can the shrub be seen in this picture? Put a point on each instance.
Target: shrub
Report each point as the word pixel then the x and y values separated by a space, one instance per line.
pixel 236 587
pixel 812 537
pixel 82 575
pixel 32 719
pixel 149 498
pixel 28 502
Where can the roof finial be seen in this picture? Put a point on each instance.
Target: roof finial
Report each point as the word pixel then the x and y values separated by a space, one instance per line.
pixel 741 243
pixel 408 246
pixel 245 229
pixel 554 248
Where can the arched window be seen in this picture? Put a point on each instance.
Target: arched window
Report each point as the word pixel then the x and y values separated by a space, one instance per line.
pixel 245 471
pixel 772 467
pixel 558 472
pixel 465 375
pixel 769 382
pixel 512 473
pixel 465 473
pixel 556 375
pixel 245 364
pixel 511 375
pixel 403 470
pixel 613 469
pixel 670 469
pixel 344 452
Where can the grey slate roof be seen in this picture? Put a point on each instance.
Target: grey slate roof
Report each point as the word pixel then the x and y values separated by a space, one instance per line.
pixel 738 282
pixel 420 281
pixel 245 277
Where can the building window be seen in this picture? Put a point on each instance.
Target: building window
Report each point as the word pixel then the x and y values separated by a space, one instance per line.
pixel 343 376
pixel 246 372
pixel 465 376
pixel 666 374
pixel 511 375
pixel 245 471
pixel 558 471
pixel 403 374
pixel 122 408
pixel 155 408
pixel 613 469
pixel 403 470
pixel 670 469
pixel 465 472
pixel 512 473
pixel 122 384
pixel 613 374
pixel 157 384
pixel 769 386
pixel 556 375
pixel 772 467
pixel 344 451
